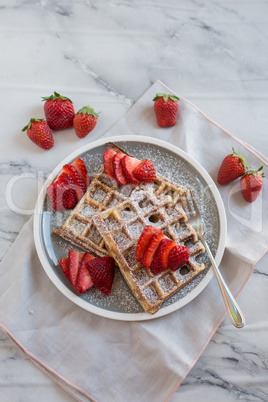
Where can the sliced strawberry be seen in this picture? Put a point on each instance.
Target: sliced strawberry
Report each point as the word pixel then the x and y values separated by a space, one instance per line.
pixel 80 186
pixel 160 260
pixel 145 171
pixel 82 170
pixel 128 165
pixel 144 240
pixel 102 272
pixel 149 253
pixel 52 193
pixel 58 194
pixel 75 260
pixel 84 280
pixel 108 163
pixel 64 263
pixel 178 256
pixel 65 184
pixel 118 171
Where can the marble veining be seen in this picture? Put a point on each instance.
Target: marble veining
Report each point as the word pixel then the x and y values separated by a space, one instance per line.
pixel 106 54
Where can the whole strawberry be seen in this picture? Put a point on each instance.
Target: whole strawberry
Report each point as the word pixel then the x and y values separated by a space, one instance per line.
pixel 251 184
pixel 232 167
pixel 39 132
pixel 166 108
pixel 85 121
pixel 59 111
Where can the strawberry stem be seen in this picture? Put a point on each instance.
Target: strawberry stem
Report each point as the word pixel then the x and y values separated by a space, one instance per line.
pixel 166 97
pixel 88 110
pixel 242 158
pixel 55 96
pixel 254 172
pixel 30 123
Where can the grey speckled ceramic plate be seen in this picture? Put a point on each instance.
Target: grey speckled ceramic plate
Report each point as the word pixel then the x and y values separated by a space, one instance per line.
pixel 171 162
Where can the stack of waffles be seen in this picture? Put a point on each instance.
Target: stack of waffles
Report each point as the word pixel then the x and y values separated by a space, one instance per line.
pixel 109 220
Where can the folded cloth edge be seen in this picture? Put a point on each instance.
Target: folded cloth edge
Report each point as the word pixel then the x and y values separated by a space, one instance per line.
pixel 64 382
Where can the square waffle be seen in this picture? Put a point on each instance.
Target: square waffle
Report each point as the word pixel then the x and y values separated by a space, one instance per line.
pixel 109 219
pixel 120 227
pixel 80 229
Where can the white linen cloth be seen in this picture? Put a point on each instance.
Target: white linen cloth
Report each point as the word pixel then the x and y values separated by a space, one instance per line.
pixel 96 358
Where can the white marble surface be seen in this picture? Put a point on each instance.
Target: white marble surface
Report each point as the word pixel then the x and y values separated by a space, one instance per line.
pixel 107 53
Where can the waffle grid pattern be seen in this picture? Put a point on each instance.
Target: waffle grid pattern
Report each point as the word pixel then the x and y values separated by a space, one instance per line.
pixel 121 226
pixel 79 228
pixel 109 219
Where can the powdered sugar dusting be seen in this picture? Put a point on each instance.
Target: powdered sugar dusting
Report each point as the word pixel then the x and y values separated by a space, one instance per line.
pixel 169 165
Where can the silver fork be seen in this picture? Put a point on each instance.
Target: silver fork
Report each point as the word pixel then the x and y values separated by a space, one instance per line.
pixel 195 220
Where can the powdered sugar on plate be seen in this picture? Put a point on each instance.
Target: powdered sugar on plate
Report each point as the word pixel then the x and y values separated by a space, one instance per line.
pixel 170 165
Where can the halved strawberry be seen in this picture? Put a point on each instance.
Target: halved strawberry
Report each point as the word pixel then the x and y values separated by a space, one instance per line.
pixel 55 197
pixel 118 171
pixel 64 263
pixel 145 171
pixel 84 280
pixel 178 256
pixel 108 163
pixel 128 165
pixel 80 186
pixel 102 272
pixel 65 184
pixel 144 240
pixel 160 260
pixel 62 193
pixel 75 260
pixel 149 253
pixel 82 170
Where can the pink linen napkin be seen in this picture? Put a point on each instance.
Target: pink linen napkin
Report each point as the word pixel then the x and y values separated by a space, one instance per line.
pixel 95 358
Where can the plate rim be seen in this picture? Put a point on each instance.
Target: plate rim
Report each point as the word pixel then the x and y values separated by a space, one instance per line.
pixel 99 310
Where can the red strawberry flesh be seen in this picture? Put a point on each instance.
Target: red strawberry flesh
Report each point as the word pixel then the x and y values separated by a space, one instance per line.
pixel 144 240
pixel 57 196
pixel 64 264
pixel 118 171
pixel 39 132
pixel 82 170
pixel 75 260
pixel 84 280
pixel 59 111
pixel 149 253
pixel 145 171
pixel 108 163
pixel 102 271
pixel 251 184
pixel 232 167
pixel 85 121
pixel 66 185
pixel 80 186
pixel 178 256
pixel 128 165
pixel 160 260
pixel 166 109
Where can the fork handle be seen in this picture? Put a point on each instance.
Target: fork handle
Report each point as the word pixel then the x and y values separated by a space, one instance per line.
pixel 236 316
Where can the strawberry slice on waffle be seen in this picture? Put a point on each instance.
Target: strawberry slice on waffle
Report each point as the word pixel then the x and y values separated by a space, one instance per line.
pixel 108 163
pixel 160 260
pixel 79 165
pixel 80 186
pixel 178 256
pixel 118 170
pixel 128 165
pixel 150 251
pixel 144 240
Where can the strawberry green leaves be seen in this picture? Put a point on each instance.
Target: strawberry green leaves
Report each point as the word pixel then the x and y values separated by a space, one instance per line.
pixel 165 97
